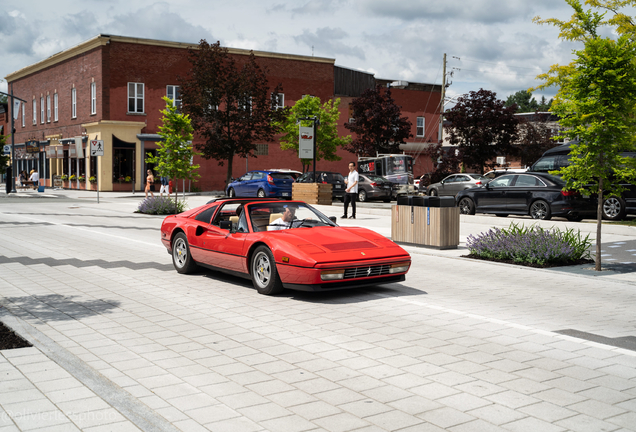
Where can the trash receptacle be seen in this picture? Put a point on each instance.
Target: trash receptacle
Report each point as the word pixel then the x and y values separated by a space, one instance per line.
pixel 426 221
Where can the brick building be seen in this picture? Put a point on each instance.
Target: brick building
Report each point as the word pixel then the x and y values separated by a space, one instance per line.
pixel 110 88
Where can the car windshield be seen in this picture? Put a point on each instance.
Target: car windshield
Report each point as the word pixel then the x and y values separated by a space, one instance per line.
pixel 279 216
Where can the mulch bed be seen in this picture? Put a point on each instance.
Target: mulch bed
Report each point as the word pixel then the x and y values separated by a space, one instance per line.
pixel 10 340
pixel 534 265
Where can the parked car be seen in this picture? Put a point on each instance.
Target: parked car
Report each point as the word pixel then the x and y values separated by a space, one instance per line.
pixel 262 184
pixel 539 195
pixel 499 172
pixel 295 174
pixel 311 253
pixel 455 183
pixel 615 207
pixel 336 180
pixel 374 187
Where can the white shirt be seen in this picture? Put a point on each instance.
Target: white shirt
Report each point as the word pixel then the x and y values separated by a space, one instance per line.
pixel 353 178
pixel 278 224
pixel 35 176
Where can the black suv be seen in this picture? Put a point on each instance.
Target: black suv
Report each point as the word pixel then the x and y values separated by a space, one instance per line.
pixel 336 180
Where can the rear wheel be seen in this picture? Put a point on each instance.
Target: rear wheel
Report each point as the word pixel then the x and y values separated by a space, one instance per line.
pixel 181 258
pixel 466 206
pixel 261 193
pixel 231 193
pixel 614 208
pixel 540 210
pixel 264 274
pixel 362 195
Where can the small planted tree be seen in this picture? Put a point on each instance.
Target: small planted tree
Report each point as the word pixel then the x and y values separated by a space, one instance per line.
pixel 327 139
pixel 377 123
pixel 175 152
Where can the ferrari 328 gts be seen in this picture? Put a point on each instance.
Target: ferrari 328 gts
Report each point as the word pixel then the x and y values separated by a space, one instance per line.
pixel 281 244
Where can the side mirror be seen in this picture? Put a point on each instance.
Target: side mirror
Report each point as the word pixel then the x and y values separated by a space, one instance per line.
pixel 332 219
pixel 225 225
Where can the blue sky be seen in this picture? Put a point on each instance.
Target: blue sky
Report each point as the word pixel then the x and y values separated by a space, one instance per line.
pixel 490 44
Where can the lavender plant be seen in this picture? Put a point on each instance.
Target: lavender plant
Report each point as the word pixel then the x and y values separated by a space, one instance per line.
pixel 531 245
pixel 160 205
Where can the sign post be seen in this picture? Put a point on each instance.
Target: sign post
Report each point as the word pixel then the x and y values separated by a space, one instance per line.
pixel 97 149
pixel 307 140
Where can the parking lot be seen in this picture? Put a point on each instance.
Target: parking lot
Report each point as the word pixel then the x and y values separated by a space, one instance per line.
pixel 122 342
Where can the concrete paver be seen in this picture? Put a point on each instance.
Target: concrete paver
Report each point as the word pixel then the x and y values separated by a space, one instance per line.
pixel 462 345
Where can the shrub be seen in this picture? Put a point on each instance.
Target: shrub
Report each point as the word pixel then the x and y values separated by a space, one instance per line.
pixel 161 206
pixel 63 177
pixel 92 179
pixel 73 177
pixel 82 179
pixel 532 245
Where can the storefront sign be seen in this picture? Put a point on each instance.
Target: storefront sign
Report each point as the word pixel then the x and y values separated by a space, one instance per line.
pixel 60 152
pixel 32 147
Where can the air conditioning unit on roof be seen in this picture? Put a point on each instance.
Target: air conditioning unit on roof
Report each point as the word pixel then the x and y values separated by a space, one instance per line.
pixel 501 160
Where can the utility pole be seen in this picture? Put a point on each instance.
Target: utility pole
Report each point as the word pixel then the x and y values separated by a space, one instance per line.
pixel 12 105
pixel 441 108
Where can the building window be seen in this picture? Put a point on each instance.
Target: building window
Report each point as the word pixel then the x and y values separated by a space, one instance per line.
pixel 420 127
pixel 93 98
pixel 23 114
pixel 48 108
pixel 73 102
pixel 135 97
pixel 35 111
pixel 55 110
pixel 42 109
pixel 262 150
pixel 172 92
pixel 278 100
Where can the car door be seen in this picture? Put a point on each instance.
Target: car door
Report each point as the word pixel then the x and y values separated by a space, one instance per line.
pixel 241 184
pixel 461 182
pixel 220 247
pixel 255 183
pixel 520 194
pixel 446 186
pixel 493 198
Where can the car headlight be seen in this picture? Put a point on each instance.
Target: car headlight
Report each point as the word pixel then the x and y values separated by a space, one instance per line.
pixel 332 274
pixel 399 267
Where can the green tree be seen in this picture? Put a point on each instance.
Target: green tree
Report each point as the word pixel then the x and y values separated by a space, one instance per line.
pixel 229 103
pixel 596 104
pixel 175 151
pixel 377 123
pixel 523 100
pixel 483 128
pixel 327 139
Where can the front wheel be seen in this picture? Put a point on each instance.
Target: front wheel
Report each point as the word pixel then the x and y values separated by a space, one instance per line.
pixel 362 195
pixel 432 192
pixel 540 210
pixel 231 193
pixel 264 274
pixel 466 206
pixel 261 193
pixel 614 208
pixel 181 258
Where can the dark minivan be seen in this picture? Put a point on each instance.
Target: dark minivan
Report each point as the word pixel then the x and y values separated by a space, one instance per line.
pixel 614 207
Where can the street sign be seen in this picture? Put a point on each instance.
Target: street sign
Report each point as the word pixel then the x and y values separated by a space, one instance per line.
pixel 97 148
pixel 306 142
pixel 6 149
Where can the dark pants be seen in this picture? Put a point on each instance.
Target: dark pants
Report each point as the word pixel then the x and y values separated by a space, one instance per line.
pixel 350 198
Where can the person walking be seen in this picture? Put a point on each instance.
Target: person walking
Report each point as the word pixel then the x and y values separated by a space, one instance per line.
pixel 351 191
pixel 165 182
pixel 150 184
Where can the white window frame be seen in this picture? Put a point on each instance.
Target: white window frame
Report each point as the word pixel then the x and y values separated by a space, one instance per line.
pixel 93 98
pixel 73 103
pixel 35 112
pixel 171 92
pixel 138 100
pixel 280 103
pixel 42 109
pixel 23 114
pixel 422 127
pixel 48 108
pixel 55 107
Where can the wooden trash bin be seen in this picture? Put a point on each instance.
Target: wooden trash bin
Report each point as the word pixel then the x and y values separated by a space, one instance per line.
pixel 312 193
pixel 433 225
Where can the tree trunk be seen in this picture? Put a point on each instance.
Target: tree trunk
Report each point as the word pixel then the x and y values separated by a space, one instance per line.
pixel 599 219
pixel 228 175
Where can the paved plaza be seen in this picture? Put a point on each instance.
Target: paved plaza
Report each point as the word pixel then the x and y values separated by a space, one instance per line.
pixel 122 342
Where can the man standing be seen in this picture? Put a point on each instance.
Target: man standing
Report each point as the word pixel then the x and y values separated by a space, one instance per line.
pixel 351 191
pixel 164 186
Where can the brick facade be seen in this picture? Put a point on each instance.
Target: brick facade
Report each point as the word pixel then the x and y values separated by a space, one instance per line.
pixel 113 62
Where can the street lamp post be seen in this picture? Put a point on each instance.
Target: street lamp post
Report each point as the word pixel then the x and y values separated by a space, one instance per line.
pixel 12 136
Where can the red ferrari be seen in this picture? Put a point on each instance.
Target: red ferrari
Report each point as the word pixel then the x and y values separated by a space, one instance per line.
pixel 281 244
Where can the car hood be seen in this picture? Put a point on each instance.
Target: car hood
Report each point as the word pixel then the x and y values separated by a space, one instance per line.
pixel 338 244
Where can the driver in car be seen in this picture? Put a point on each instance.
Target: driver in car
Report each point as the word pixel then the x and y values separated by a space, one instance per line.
pixel 285 221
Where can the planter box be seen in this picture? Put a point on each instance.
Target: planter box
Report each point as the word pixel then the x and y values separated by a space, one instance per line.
pixel 312 193
pixel 426 226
